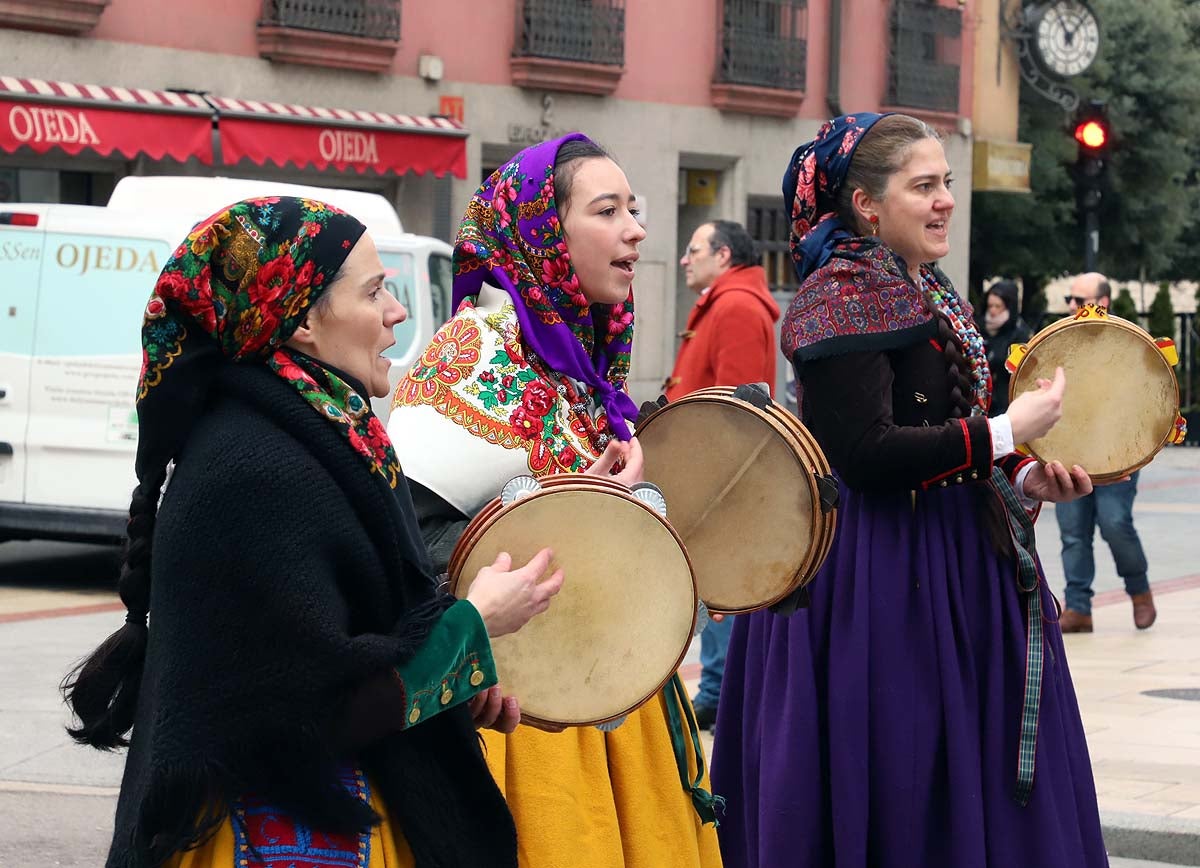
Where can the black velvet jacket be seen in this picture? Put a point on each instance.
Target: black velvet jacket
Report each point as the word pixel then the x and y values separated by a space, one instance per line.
pixel 287 582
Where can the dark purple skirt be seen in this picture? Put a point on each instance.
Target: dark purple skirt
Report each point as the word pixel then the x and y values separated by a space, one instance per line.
pixel 880 726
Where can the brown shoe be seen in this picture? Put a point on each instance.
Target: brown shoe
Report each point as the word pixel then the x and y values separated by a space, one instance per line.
pixel 1074 622
pixel 1144 612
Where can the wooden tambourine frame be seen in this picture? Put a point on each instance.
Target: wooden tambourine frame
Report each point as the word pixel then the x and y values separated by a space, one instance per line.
pixel 754 540
pixel 1121 404
pixel 621 625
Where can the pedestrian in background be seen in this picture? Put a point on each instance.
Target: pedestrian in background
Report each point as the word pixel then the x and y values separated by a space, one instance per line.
pixel 899 720
pixel 1109 507
pixel 1001 328
pixel 297 689
pixel 729 341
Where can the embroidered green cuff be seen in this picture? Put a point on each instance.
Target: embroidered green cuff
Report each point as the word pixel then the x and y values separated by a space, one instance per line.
pixel 454 664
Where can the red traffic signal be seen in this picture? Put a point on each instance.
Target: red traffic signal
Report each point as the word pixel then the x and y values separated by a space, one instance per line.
pixel 1091 134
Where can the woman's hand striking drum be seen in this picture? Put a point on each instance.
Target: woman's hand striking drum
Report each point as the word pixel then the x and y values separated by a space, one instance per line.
pixel 508 598
pixel 1034 413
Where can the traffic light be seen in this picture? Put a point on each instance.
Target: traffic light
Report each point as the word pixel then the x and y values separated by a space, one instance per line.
pixel 1093 132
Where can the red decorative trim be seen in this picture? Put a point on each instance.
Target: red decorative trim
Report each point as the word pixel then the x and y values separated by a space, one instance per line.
pixel 72 17
pixel 752 100
pixel 967 438
pixel 573 76
pixel 318 48
pixel 933 343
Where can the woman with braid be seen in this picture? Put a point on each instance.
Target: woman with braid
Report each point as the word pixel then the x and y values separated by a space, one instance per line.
pixel 919 711
pixel 298 692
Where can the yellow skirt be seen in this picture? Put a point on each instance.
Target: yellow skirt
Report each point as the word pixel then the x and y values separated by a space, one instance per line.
pixel 604 800
pixel 388 849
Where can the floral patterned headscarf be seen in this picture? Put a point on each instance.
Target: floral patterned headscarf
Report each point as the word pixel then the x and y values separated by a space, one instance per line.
pixel 511 237
pixel 234 291
pixel 811 185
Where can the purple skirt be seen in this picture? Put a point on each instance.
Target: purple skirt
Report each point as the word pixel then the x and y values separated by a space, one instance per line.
pixel 880 726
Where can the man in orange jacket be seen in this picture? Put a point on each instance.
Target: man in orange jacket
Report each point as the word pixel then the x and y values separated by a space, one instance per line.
pixel 730 340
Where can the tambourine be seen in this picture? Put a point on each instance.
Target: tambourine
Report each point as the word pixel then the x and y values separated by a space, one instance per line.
pixel 751 493
pixel 1121 405
pixel 619 628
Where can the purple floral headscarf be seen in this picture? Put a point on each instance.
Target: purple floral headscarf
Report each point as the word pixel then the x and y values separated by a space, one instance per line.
pixel 511 237
pixel 811 185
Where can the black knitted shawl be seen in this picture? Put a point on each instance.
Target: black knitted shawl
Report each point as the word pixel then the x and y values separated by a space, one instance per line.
pixel 285 575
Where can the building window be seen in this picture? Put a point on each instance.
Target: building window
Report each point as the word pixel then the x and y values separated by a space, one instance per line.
pixel 770 228
pixel 73 18
pixel 370 19
pixel 925 54
pixel 346 34
pixel 571 45
pixel 588 31
pixel 764 43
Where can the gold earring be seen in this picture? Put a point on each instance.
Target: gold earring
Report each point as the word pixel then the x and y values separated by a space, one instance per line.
pixel 874 221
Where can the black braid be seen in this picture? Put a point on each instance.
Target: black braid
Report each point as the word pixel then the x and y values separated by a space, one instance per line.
pixel 102 691
pixel 957 370
pixel 995 521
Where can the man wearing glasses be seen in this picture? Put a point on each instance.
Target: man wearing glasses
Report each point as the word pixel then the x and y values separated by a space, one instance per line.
pixel 729 341
pixel 1110 507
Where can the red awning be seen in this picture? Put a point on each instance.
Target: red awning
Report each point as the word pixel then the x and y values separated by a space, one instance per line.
pixel 57 115
pixel 361 141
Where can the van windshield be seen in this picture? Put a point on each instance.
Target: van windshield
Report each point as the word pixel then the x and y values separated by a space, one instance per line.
pixel 440 287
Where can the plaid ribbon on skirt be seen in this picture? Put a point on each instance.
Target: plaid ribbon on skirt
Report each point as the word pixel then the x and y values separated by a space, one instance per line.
pixel 1028 581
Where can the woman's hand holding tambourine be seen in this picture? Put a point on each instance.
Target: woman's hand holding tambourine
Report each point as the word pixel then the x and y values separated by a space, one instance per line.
pixel 625 458
pixel 1053 483
pixel 493 710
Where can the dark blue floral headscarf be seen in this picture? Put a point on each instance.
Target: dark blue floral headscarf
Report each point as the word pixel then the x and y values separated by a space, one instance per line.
pixel 811 185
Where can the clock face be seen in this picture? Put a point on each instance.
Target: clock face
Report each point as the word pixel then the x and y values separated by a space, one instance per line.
pixel 1067 37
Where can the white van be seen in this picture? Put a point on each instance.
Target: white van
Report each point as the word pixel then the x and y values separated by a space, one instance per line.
pixel 74 281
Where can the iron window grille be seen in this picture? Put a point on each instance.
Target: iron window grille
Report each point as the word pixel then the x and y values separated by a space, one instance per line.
pixel 769 226
pixel 370 19
pixel 763 43
pixel 588 31
pixel 925 54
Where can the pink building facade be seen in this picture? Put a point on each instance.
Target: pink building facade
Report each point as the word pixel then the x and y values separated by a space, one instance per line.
pixel 702 102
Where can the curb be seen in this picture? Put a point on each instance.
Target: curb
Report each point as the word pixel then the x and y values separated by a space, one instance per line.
pixel 1151 838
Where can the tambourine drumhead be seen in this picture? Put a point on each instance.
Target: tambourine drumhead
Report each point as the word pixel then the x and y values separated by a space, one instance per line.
pixel 741 492
pixel 621 624
pixel 1121 400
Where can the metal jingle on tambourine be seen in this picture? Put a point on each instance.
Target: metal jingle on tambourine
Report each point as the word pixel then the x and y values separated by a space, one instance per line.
pixel 518 487
pixel 703 619
pixel 651 495
pixel 611 725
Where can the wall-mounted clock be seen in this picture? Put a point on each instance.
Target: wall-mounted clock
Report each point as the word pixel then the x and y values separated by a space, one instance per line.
pixel 1064 36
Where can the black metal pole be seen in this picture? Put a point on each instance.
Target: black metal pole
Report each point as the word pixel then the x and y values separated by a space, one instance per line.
pixel 1091 239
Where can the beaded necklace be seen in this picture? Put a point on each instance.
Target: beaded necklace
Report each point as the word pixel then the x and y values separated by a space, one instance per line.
pixel 948 303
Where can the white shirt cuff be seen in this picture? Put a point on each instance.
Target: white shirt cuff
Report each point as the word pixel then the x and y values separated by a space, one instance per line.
pixel 1002 436
pixel 1029 503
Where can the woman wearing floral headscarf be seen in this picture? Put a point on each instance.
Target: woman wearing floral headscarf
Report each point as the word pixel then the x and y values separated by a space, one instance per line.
pixel 298 693
pixel 529 378
pixel 898 721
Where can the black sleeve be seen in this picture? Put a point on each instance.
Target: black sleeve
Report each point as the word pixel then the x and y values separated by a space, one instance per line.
pixel 848 408
pixel 441 524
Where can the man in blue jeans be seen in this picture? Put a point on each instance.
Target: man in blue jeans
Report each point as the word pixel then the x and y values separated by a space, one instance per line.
pixel 1110 507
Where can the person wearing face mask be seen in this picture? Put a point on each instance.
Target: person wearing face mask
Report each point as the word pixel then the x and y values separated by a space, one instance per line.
pixel 899 720
pixel 528 378
pixel 1001 328
pixel 299 693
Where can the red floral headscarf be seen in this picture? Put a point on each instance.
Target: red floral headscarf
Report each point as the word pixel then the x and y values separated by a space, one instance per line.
pixel 234 291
